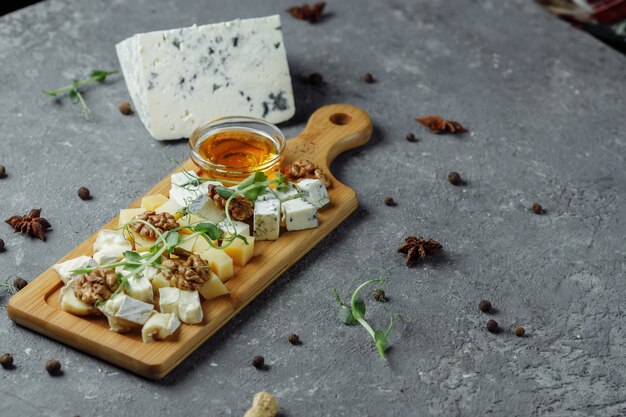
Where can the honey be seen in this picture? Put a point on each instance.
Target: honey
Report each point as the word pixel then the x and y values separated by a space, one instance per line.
pixel 238 149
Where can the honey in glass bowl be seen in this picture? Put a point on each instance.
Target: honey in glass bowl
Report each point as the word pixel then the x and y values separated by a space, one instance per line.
pixel 235 147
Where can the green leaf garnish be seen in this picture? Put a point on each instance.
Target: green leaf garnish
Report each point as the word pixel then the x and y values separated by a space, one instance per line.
pixel 211 230
pixel 224 192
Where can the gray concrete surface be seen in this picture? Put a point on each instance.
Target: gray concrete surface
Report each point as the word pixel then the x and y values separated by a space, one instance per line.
pixel 545 106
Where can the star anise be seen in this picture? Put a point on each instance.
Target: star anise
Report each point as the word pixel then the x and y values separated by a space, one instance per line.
pixel 31 224
pixel 313 13
pixel 418 247
pixel 438 124
pixel 240 207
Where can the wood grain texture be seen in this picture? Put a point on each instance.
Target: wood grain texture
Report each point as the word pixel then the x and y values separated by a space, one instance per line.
pixel 330 131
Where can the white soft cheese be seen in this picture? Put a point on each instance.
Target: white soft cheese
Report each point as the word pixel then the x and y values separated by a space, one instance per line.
pixel 72 304
pixel 168 300
pixel 159 326
pixel 181 78
pixel 313 191
pixel 108 255
pixel 111 239
pixel 64 269
pixel 267 219
pixel 299 214
pixel 189 307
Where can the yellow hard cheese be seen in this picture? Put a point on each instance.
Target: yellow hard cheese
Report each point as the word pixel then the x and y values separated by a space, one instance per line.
pixel 221 264
pixel 151 202
pixel 239 251
pixel 214 287
pixel 189 220
pixel 168 207
pixel 127 215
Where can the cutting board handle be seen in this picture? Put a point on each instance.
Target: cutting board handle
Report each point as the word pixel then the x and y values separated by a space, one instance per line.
pixel 331 130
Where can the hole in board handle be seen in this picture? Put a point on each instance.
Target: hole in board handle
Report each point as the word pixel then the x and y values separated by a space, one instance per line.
pixel 340 119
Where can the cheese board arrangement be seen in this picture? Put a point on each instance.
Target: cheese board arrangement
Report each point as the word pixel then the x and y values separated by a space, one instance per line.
pixel 158 280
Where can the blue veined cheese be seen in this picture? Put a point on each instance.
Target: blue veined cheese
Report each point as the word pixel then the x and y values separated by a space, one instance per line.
pixel 267 219
pixel 313 191
pixel 181 78
pixel 299 214
pixel 205 207
pixel 240 227
pixel 267 195
pixel 288 194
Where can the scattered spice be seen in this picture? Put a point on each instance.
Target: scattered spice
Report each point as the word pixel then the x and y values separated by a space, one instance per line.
pixel 240 207
pixel 19 283
pixel 125 108
pixel 454 178
pixel 3 171
pixel 6 361
pixel 2 247
pixel 485 306
pixel 53 367
pixel 161 221
pixel 312 14
pixel 389 201
pixel 369 78
pixel 306 169
pixel 258 362
pixel 31 224
pixel 379 295
pixel 520 331
pixel 536 208
pixel 438 124
pixel 83 193
pixel 492 326
pixel 418 247
pixel 316 79
pixel 264 404
pixel 294 339
pixel 411 137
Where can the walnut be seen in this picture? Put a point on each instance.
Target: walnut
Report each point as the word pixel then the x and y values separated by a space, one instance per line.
pixel 240 207
pixel 189 272
pixel 98 285
pixel 162 221
pixel 302 169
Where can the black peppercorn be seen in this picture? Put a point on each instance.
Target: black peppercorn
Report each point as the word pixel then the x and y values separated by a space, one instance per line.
pixel 520 331
pixel 411 137
pixel 258 362
pixel 125 108
pixel 316 79
pixel 485 306
pixel 389 201
pixel 2 247
pixel 53 367
pixel 369 78
pixel 379 295
pixel 454 178
pixel 492 326
pixel 19 283
pixel 3 171
pixel 536 208
pixel 294 339
pixel 84 194
pixel 6 361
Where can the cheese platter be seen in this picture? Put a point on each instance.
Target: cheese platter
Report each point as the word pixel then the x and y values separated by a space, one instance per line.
pixel 106 299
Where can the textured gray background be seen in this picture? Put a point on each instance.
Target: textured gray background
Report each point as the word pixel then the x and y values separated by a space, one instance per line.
pixel 545 106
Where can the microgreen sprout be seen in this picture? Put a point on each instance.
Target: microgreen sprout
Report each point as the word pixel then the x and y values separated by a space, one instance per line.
pixel 7 286
pixel 74 93
pixel 355 314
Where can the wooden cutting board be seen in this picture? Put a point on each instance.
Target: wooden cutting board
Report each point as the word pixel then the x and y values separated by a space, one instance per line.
pixel 330 131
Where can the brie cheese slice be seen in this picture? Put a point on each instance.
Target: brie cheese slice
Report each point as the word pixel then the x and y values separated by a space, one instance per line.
pixel 159 326
pixel 64 269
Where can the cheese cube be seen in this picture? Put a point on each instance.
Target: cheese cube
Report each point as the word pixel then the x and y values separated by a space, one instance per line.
pixel 109 255
pixel 289 193
pixel 206 208
pixel 188 244
pixel 239 251
pixel 140 288
pixel 168 300
pixel 170 207
pixel 184 178
pixel 241 228
pixel 313 191
pixel 213 288
pixel 191 220
pixel 202 245
pixel 267 220
pixel 189 307
pixel 74 305
pixel 151 202
pixel 267 195
pixel 159 326
pixel 127 215
pixel 125 313
pixel 180 78
pixel 159 281
pixel 183 196
pixel 64 269
pixel 221 264
pixel 299 214
pixel 107 237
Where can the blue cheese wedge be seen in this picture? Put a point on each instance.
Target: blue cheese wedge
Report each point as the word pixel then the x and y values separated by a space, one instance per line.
pixel 299 214
pixel 288 194
pixel 267 219
pixel 206 208
pixel 313 191
pixel 267 195
pixel 159 326
pixel 64 269
pixel 181 78
pixel 240 227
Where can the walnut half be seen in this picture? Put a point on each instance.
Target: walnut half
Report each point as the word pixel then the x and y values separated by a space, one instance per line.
pixel 187 273
pixel 162 221
pixel 98 285
pixel 302 168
